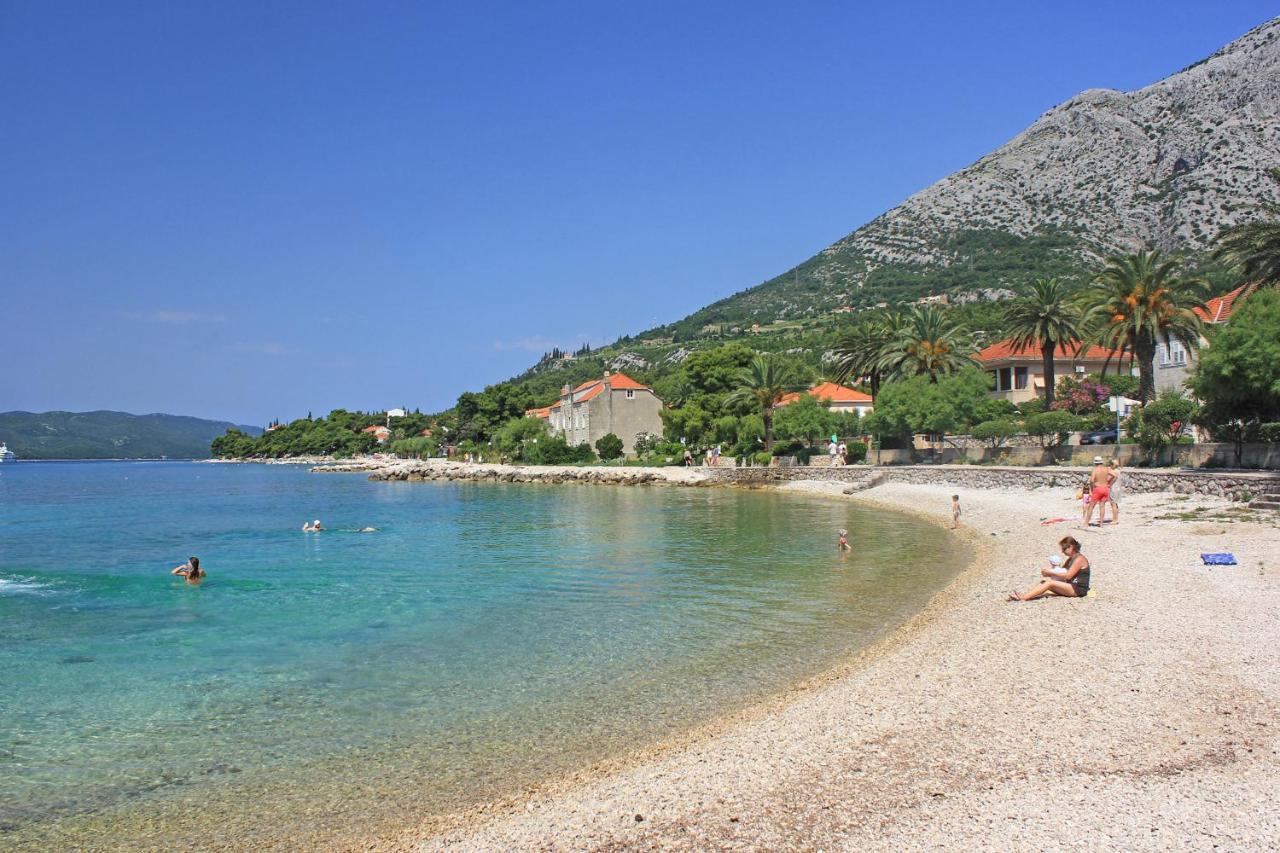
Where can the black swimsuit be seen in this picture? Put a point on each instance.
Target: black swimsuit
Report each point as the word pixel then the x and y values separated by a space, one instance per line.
pixel 1080 583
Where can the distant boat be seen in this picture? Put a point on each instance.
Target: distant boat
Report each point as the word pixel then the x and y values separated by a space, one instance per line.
pixel 7 455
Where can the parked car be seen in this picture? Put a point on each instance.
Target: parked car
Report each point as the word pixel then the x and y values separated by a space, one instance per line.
pixel 1100 436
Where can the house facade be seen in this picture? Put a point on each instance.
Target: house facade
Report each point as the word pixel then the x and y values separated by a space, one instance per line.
pixel 837 398
pixel 1019 371
pixel 615 403
pixel 1174 362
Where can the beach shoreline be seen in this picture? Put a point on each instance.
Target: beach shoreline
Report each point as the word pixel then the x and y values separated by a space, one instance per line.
pixel 885 749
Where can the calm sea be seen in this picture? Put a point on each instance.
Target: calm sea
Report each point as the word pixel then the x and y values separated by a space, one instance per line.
pixel 484 638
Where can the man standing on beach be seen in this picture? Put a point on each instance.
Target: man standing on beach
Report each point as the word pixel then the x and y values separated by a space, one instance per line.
pixel 1100 490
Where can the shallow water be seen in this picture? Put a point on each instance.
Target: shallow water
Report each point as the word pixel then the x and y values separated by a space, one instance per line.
pixel 485 637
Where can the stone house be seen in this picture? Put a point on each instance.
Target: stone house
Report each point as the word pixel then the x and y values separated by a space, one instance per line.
pixel 1173 361
pixel 615 403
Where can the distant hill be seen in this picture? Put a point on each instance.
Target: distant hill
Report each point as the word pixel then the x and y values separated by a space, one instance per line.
pixel 109 435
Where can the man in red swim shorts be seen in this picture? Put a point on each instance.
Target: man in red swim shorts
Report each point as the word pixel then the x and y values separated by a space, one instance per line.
pixel 1100 490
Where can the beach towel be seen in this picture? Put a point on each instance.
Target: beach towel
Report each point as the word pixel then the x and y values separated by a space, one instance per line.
pixel 1218 559
pixel 1052 520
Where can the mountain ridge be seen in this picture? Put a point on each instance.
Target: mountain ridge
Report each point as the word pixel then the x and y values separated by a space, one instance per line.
pixel 1166 165
pixel 108 434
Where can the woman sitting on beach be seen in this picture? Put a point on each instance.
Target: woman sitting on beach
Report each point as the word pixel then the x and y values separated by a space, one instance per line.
pixel 190 570
pixel 1072 580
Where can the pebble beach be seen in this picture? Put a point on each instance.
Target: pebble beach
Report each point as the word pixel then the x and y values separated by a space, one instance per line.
pixel 1142 717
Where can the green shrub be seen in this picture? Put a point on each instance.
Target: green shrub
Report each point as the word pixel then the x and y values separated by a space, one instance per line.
pixel 762 457
pixel 609 446
pixel 857 452
pixel 1052 427
pixel 1269 432
pixel 994 433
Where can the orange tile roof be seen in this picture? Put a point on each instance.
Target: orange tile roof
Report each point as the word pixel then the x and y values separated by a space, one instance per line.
pixel 1219 308
pixel 376 428
pixel 1006 351
pixel 829 391
pixel 543 412
pixel 623 382
pixel 618 381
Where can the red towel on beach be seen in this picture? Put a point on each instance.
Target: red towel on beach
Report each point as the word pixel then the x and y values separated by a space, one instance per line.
pixel 1052 520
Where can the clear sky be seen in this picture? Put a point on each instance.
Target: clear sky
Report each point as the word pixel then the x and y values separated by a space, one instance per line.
pixel 256 210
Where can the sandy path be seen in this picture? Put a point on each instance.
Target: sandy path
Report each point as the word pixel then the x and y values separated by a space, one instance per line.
pixel 1142 717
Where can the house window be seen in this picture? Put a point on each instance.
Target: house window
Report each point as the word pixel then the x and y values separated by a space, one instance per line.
pixel 631 394
pixel 1020 378
pixel 1005 382
pixel 1177 354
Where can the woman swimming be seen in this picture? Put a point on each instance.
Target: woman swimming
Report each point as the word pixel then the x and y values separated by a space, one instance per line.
pixel 190 570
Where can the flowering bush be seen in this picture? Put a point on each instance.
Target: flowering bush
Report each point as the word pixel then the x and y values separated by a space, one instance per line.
pixel 1080 397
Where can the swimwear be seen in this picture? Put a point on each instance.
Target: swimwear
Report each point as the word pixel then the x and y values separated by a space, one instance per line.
pixel 1080 583
pixel 1100 493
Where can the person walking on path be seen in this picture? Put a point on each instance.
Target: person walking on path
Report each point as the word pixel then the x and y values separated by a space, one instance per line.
pixel 1071 581
pixel 1100 481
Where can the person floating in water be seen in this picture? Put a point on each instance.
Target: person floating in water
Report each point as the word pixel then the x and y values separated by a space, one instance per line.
pixel 313 527
pixel 842 544
pixel 190 570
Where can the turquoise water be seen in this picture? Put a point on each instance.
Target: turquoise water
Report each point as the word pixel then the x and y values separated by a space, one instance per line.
pixel 486 637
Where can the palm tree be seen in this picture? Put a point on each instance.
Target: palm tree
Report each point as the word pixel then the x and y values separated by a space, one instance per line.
pixel 1044 318
pixel 763 383
pixel 1254 249
pixel 859 350
pixel 929 342
pixel 1140 300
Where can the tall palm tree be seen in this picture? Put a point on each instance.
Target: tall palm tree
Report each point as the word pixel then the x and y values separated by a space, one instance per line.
pixel 1044 318
pixel 859 350
pixel 929 342
pixel 763 383
pixel 1254 249
pixel 1140 300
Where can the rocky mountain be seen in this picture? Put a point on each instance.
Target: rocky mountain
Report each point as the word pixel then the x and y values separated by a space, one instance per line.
pixel 1168 165
pixel 109 435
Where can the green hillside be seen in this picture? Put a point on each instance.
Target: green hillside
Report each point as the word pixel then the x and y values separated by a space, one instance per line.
pixel 109 435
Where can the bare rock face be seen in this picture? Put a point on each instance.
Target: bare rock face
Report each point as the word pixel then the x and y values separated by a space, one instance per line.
pixel 1168 165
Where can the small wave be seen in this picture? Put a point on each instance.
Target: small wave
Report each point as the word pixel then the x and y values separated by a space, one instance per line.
pixel 23 586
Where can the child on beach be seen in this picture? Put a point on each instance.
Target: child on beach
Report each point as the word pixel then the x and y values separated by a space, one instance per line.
pixel 955 511
pixel 842 543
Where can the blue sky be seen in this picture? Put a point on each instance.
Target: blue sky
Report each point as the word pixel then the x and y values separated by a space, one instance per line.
pixel 250 211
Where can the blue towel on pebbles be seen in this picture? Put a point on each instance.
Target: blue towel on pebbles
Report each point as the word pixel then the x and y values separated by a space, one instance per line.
pixel 1218 559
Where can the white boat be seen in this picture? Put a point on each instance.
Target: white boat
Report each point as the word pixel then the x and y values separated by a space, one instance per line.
pixel 7 455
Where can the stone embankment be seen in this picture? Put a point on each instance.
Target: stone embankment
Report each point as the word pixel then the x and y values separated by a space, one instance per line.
pixel 436 470
pixel 1233 485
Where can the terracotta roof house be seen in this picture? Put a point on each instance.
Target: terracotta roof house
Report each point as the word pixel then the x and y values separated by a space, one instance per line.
pixel 379 432
pixel 837 397
pixel 614 403
pixel 1019 371
pixel 1173 362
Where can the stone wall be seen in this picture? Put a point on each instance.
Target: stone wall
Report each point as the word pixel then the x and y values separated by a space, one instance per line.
pixel 1239 485
pixel 1203 455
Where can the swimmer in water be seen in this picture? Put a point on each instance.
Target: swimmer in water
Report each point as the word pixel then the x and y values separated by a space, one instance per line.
pixel 313 527
pixel 190 570
pixel 842 544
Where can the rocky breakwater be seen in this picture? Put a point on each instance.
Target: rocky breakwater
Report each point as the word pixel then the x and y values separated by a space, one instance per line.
pixel 454 471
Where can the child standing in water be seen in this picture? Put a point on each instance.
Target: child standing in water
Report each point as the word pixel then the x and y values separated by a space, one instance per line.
pixel 842 544
pixel 955 511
